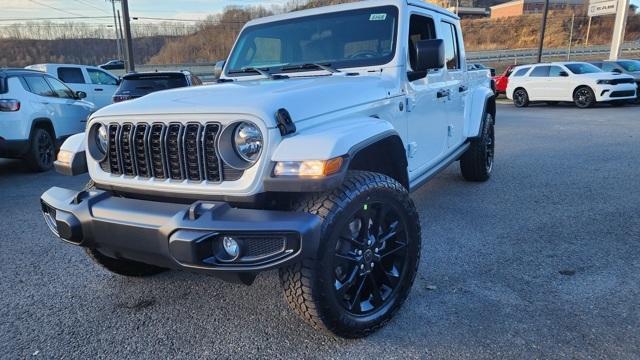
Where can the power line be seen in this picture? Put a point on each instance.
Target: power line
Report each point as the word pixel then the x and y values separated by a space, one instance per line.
pixel 57 18
pixel 90 5
pixel 54 8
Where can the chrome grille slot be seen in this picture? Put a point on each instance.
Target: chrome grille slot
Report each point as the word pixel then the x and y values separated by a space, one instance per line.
pixel 140 150
pixel 192 156
pixel 113 158
pixel 211 158
pixel 126 149
pixel 167 151
pixel 173 144
pixel 156 151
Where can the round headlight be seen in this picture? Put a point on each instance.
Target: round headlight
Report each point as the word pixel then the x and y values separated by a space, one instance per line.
pixel 101 138
pixel 248 141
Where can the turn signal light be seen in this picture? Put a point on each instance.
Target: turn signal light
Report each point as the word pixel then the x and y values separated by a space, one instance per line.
pixel 309 167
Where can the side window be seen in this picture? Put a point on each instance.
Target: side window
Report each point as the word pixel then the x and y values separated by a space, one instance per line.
pixel 540 71
pixel 451 53
pixel 99 77
pixel 554 71
pixel 420 28
pixel 38 86
pixel 61 90
pixel 71 75
pixel 607 67
pixel 521 72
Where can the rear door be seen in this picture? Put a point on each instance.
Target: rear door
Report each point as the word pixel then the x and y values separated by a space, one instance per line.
pixel 456 83
pixel 103 85
pixel 537 85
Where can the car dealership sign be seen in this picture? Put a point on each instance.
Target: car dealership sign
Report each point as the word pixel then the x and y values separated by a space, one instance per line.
pixel 602 7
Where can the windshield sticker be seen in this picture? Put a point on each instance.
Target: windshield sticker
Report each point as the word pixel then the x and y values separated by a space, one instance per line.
pixel 377 17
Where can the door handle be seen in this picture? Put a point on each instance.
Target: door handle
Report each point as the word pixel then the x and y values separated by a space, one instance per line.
pixel 443 93
pixel 463 88
pixel 98 89
pixel 44 102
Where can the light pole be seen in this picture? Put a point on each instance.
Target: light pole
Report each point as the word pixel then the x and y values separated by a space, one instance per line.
pixel 115 24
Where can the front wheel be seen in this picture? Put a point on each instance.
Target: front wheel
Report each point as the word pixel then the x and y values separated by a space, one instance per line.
pixel 367 258
pixel 42 151
pixel 583 97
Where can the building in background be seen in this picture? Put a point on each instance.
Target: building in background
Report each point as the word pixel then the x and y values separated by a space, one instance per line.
pixel 521 7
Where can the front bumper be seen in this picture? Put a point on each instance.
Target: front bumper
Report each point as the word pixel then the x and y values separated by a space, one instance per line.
pixel 179 236
pixel 615 92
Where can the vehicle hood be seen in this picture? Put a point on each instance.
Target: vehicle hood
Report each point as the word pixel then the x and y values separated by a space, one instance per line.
pixel 606 76
pixel 303 97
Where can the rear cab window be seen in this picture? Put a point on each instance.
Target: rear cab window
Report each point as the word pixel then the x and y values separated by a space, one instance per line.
pixel 147 83
pixel 71 75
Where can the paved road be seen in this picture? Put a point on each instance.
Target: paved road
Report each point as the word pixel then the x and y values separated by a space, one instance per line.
pixel 542 261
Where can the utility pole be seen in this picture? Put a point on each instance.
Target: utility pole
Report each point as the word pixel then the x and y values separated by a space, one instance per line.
pixel 128 49
pixel 573 15
pixel 543 27
pixel 115 24
pixel 618 29
pixel 586 42
pixel 121 36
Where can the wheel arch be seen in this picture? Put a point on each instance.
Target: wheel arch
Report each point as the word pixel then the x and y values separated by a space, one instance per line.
pixel 384 154
pixel 483 101
pixel 43 123
pixel 573 93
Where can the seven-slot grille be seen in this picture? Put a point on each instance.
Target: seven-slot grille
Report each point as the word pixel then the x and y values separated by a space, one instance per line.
pixel 166 151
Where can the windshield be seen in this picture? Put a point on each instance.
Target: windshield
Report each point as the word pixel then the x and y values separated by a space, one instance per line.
pixel 582 68
pixel 630 66
pixel 354 38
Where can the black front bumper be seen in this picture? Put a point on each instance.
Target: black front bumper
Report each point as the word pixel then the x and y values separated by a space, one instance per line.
pixel 179 236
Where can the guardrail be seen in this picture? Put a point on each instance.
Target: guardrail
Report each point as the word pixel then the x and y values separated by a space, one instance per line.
pixel 205 70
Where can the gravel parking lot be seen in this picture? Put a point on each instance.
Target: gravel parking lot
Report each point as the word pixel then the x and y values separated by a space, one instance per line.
pixel 542 261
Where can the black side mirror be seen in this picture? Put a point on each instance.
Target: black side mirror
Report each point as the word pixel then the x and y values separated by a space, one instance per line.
pixel 428 55
pixel 217 69
pixel 81 94
pixel 617 71
pixel 118 81
pixel 563 73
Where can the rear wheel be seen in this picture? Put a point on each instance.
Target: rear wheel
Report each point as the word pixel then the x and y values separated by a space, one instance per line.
pixel 583 97
pixel 520 98
pixel 42 150
pixel 367 257
pixel 477 162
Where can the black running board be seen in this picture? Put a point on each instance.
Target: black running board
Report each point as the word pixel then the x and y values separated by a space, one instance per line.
pixel 429 174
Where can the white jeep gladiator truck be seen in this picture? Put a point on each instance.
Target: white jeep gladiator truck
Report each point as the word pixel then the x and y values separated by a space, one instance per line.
pixel 301 158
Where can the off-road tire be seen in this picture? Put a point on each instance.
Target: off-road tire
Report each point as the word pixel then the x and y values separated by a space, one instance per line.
pixel 476 163
pixel 520 98
pixel 583 97
pixel 120 266
pixel 309 284
pixel 42 151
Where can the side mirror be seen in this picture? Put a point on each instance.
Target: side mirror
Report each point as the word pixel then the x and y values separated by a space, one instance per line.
pixel 217 69
pixel 119 80
pixel 563 73
pixel 428 55
pixel 617 71
pixel 81 94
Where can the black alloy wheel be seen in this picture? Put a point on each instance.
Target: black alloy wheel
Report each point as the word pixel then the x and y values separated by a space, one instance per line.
pixel 42 152
pixel 583 97
pixel 520 98
pixel 370 258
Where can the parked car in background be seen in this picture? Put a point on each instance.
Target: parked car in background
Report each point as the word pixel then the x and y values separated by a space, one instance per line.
pixel 502 80
pixel 582 83
pixel 629 67
pixel 135 85
pixel 99 85
pixel 113 65
pixel 37 112
pixel 477 66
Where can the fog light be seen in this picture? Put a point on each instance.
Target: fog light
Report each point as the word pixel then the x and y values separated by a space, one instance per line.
pixel 231 247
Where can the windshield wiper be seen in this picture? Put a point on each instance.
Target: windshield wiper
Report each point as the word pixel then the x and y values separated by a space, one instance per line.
pixel 326 67
pixel 262 71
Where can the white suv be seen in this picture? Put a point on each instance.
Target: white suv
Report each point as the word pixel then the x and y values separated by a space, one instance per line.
pixel 98 84
pixel 37 112
pixel 578 82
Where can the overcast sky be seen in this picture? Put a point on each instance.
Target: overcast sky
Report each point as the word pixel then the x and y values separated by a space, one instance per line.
pixel 183 9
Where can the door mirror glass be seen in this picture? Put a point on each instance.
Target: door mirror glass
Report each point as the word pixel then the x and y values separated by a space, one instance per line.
pixel 217 69
pixel 81 94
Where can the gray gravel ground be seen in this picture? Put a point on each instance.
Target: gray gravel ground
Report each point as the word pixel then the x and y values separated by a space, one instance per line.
pixel 542 261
